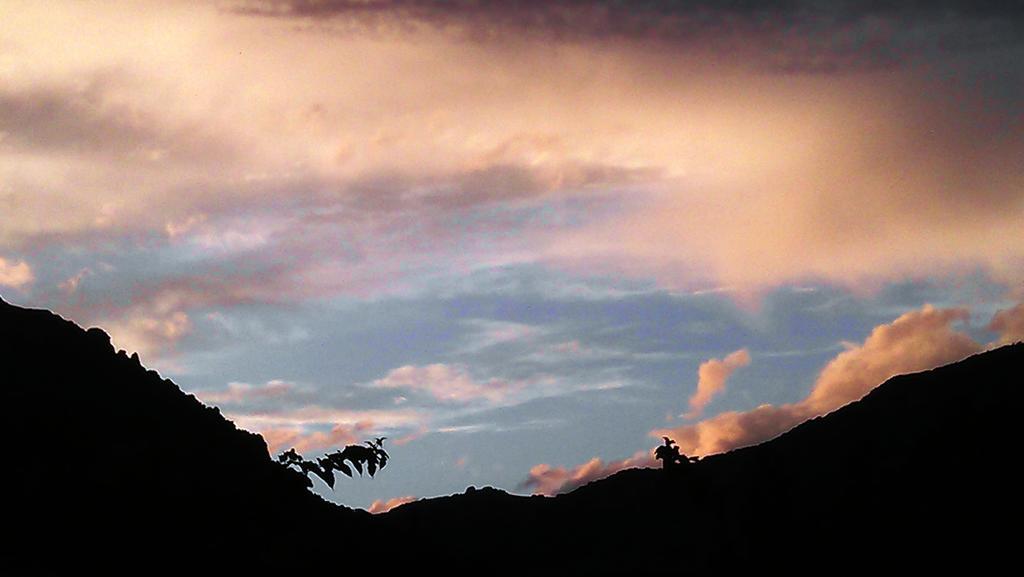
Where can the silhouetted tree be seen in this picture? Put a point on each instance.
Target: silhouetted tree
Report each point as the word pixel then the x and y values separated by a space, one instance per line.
pixel 370 455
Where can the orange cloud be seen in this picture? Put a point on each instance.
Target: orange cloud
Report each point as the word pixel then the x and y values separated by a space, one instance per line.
pixel 547 480
pixel 916 341
pixel 711 377
pixel 380 506
pixel 15 274
pixel 1009 323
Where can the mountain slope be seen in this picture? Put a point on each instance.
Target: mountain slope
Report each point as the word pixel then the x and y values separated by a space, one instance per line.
pixel 920 474
pixel 114 466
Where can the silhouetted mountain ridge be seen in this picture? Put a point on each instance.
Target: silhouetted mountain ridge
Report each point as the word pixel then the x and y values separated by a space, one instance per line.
pixel 116 464
pixel 114 469
pixel 917 475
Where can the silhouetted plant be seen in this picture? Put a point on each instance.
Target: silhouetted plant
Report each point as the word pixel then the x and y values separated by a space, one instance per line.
pixel 670 456
pixel 370 455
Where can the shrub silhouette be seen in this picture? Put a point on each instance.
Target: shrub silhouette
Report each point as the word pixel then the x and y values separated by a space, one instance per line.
pixel 370 454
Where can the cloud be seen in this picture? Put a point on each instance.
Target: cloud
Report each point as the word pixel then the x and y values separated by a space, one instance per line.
pixel 734 429
pixel 790 35
pixel 152 333
pixel 283 438
pixel 91 116
pixel 70 285
pixel 15 274
pixel 716 176
pixel 486 333
pixel 311 416
pixel 711 378
pixel 320 428
pixel 446 383
pixel 242 392
pixel 862 192
pixel 1009 323
pixel 156 315
pixel 380 506
pixel 547 480
pixel 406 439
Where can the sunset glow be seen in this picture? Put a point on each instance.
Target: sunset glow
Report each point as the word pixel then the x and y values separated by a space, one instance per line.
pixel 523 244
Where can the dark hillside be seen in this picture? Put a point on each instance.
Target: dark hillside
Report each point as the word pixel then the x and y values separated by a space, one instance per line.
pixel 110 466
pixel 920 474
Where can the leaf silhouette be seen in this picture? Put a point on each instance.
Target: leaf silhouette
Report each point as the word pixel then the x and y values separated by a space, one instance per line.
pixel 344 469
pixel 325 471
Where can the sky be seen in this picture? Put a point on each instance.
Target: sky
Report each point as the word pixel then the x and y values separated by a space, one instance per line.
pixel 522 240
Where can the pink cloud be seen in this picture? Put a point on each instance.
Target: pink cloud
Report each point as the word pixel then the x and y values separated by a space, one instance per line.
pixel 157 317
pixel 772 186
pixel 380 506
pixel 150 332
pixel 406 439
pixel 755 168
pixel 313 427
pixel 71 284
pixel 447 383
pixel 282 438
pixel 711 378
pixel 15 274
pixel 1009 323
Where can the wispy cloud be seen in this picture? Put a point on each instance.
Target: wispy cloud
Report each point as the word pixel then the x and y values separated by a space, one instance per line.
pixel 282 438
pixel 447 383
pixel 242 392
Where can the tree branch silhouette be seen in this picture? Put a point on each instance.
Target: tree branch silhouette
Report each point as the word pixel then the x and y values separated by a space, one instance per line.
pixel 370 455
